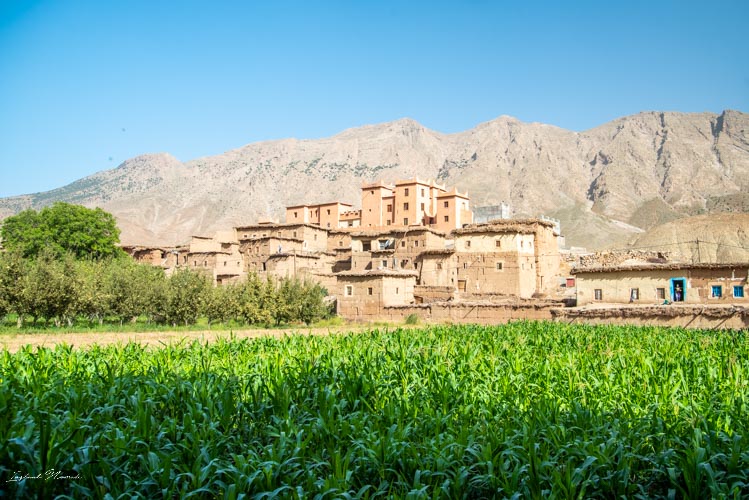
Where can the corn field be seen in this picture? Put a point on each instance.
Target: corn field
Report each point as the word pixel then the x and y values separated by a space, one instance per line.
pixel 526 410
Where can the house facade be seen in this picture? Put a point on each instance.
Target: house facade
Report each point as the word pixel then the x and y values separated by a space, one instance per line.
pixel 651 284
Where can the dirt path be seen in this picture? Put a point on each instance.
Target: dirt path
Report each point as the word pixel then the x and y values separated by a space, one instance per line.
pixel 14 342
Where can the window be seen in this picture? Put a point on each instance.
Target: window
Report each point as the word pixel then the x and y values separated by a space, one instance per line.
pixel 294 234
pixel 465 265
pixel 521 243
pixel 405 221
pixel 422 192
pixel 340 243
pixel 245 236
pixel 294 217
pixel 406 192
pixel 439 265
pixel 369 291
pixel 387 222
pixel 404 263
pixel 263 266
pixel 384 263
pixel 390 208
pixel 366 246
pixel 405 206
pixel 598 294
pixel 328 211
pixel 738 292
pixel 315 238
pixel 397 291
pixel 422 206
pixel 498 244
pixel 416 266
pixel 416 243
pixel 205 263
pixel 447 204
pixel 468 244
pixel 349 290
pixel 447 218
pixel 499 265
pixel 634 294
pixel 660 293
pixel 195 263
pixel 224 263
pixel 716 291
pixel 403 243
pixel 371 192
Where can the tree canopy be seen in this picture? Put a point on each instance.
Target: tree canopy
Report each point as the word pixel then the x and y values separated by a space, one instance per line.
pixel 62 228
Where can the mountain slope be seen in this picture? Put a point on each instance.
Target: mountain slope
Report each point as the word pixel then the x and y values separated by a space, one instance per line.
pixel 605 184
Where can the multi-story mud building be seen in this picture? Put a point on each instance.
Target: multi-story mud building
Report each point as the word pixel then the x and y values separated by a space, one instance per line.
pixel 411 242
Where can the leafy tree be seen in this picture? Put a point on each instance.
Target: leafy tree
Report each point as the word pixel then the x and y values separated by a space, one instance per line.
pixel 49 288
pixel 222 303
pixel 62 228
pixel 13 268
pixel 185 294
pixel 313 306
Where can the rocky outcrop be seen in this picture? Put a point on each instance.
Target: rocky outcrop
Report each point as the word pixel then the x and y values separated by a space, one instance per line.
pixel 606 184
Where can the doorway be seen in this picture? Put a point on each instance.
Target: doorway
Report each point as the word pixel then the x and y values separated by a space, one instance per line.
pixel 678 289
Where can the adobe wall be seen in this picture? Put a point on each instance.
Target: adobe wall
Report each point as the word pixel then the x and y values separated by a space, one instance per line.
pixel 706 317
pixel 427 294
pixel 457 313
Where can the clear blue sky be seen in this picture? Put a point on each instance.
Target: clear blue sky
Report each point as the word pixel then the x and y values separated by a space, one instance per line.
pixel 85 85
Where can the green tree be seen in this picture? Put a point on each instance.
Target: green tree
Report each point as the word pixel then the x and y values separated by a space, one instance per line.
pixel 185 295
pixel 62 228
pixel 49 288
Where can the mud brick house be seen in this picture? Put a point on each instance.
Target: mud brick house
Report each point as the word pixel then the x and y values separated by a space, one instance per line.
pixel 660 283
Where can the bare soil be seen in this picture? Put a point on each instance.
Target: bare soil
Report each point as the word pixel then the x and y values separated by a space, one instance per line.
pixel 15 342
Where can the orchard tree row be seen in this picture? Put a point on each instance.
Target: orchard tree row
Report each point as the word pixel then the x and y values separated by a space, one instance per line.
pixel 63 290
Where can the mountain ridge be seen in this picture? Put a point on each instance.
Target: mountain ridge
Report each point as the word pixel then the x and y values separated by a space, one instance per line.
pixel 635 171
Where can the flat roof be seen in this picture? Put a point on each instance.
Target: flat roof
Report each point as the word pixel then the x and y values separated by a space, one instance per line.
pixel 673 266
pixel 377 273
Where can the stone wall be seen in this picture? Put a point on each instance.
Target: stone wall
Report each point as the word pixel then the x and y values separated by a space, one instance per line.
pixel 708 317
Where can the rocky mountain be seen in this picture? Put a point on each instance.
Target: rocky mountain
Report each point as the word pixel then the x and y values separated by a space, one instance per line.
pixel 607 184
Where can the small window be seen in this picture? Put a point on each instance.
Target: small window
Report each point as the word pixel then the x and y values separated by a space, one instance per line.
pixel 634 294
pixel 403 243
pixel 315 238
pixel 738 292
pixel 340 243
pixel 328 211
pixel 598 294
pixel 294 234
pixel 716 291
pixel 522 243
pixel 406 192
pixel 205 263
pixel 263 266
pixel 384 263
pixel 397 291
pixel 294 217
pixel 498 244
pixel 370 291
pixel 224 263
pixel 422 192
pixel 660 293
pixel 390 208
pixel 349 290
pixel 439 265
pixel 422 206
pixel 416 243
pixel 371 192
pixel 416 266
pixel 447 218
pixel 468 244
pixel 195 263
pixel 465 265
pixel 387 222
pixel 405 206
pixel 447 204
pixel 404 263
pixel 405 221
pixel 245 236
pixel 499 265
